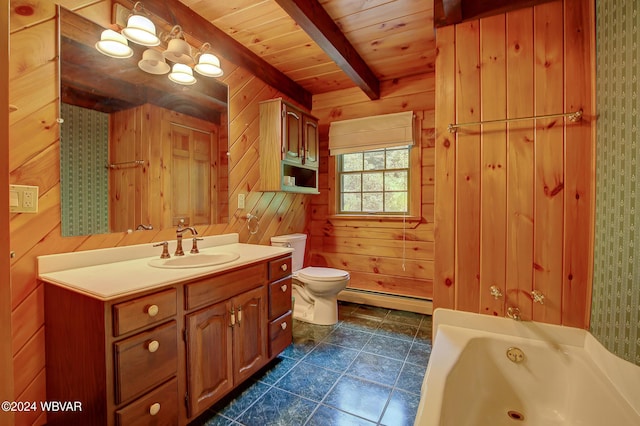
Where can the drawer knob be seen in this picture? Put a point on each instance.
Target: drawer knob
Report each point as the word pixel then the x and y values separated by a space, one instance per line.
pixel 153 346
pixel 283 325
pixel 154 409
pixel 283 287
pixel 284 267
pixel 152 310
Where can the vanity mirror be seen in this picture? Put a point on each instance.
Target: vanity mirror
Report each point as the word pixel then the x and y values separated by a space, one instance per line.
pixel 137 150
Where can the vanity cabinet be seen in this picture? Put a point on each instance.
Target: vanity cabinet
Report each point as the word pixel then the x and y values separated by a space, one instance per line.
pixel 289 148
pixel 226 342
pixel 162 357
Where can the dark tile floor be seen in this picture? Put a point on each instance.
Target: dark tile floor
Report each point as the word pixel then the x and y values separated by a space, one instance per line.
pixel 365 370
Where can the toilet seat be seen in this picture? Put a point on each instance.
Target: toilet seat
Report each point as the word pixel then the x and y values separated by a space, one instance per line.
pixel 322 274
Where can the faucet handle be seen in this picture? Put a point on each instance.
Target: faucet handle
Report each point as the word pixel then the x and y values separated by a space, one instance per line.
pixel 537 297
pixel 194 248
pixel 495 292
pixel 165 249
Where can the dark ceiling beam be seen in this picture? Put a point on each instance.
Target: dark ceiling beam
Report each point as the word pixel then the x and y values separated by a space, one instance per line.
pixel 447 12
pixel 316 22
pixel 176 13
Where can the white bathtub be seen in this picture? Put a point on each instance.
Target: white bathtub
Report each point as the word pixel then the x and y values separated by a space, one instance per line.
pixel 566 378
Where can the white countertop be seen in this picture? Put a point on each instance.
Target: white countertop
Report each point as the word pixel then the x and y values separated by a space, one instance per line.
pixel 106 274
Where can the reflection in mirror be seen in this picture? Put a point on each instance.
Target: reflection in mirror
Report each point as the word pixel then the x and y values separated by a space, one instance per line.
pixel 137 150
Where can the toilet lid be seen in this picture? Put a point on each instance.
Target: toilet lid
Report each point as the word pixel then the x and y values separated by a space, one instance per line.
pixel 322 274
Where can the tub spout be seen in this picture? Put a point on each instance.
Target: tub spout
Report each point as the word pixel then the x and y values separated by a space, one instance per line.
pixel 513 313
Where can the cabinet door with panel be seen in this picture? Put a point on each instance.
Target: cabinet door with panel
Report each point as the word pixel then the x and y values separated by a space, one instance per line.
pixel 310 140
pixel 209 363
pixel 292 134
pixel 249 332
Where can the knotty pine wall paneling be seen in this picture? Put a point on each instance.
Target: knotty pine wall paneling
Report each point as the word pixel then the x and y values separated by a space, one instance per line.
pixel 6 352
pixel 374 250
pixel 34 160
pixel 521 193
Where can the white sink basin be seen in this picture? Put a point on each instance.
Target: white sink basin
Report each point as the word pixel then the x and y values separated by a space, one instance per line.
pixel 199 260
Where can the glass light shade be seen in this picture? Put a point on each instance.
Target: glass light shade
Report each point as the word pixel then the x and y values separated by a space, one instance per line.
pixel 153 62
pixel 178 51
pixel 209 65
pixel 182 74
pixel 114 45
pixel 141 30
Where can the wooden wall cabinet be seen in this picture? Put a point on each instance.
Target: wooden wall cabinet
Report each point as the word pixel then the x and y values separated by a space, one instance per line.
pixel 288 148
pixel 164 356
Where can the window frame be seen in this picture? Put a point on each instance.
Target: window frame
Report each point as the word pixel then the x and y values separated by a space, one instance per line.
pixel 414 191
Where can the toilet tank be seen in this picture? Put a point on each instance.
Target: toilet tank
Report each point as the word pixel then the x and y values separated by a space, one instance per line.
pixel 297 242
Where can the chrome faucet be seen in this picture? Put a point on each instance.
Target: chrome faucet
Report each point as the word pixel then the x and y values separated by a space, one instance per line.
pixel 513 313
pixel 537 296
pixel 181 230
pixel 495 292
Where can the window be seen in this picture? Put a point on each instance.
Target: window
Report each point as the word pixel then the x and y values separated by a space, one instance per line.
pixel 374 182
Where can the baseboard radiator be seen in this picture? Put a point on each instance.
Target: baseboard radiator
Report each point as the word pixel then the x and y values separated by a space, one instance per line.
pixel 389 301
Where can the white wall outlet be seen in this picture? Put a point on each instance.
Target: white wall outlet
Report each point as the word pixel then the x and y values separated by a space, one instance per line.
pixel 23 199
pixel 241 201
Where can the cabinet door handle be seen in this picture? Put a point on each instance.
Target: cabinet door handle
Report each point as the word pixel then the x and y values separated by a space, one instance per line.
pixel 283 325
pixel 283 287
pixel 153 346
pixel 239 314
pixel 152 310
pixel 233 318
pixel 154 409
pixel 284 267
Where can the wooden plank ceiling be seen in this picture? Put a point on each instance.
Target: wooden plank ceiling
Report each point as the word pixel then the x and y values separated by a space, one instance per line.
pixel 355 42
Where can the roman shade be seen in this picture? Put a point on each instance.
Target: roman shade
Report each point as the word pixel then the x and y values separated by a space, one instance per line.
pixel 375 132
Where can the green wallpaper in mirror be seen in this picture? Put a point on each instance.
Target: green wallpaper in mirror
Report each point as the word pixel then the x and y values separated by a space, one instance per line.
pixel 84 179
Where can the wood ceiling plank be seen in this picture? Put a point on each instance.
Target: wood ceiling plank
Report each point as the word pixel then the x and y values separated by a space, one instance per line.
pixel 323 30
pixel 283 43
pixel 268 31
pixel 407 32
pixel 381 15
pixel 252 17
pixel 340 8
pixel 214 9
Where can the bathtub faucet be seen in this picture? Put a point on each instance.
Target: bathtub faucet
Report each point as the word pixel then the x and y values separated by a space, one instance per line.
pixel 513 313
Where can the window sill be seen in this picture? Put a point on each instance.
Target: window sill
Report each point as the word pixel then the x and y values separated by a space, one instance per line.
pixel 374 220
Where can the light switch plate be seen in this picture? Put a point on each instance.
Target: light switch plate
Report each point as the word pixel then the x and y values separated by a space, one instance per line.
pixel 23 199
pixel 241 201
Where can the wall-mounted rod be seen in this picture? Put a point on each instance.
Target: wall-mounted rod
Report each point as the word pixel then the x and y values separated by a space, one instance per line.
pixel 124 163
pixel 572 116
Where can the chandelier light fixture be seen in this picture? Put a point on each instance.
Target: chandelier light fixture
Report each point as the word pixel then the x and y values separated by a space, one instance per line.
pixel 141 30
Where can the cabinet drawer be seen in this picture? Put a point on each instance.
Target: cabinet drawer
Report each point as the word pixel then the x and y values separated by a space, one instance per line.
pixel 279 297
pixel 145 360
pixel 159 408
pixel 143 311
pixel 280 334
pixel 224 286
pixel 279 268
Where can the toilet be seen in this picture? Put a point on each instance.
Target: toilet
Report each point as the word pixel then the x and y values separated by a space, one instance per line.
pixel 315 290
